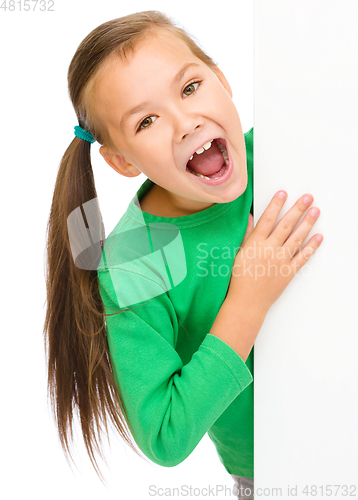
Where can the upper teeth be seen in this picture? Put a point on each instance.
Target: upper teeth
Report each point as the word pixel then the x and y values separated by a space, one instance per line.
pixel 203 148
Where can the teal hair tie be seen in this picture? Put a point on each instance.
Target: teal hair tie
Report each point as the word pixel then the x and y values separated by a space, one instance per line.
pixel 84 134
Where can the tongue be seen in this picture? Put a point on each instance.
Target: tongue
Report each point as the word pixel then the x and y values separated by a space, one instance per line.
pixel 208 162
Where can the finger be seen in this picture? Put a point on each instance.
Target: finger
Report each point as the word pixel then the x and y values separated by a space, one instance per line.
pixel 296 239
pixel 268 219
pixel 285 226
pixel 302 257
pixel 250 227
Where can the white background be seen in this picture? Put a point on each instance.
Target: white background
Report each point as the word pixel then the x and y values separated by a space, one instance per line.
pixel 306 129
pixel 37 123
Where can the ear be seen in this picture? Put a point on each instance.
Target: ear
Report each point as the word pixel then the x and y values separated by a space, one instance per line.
pixel 119 163
pixel 222 79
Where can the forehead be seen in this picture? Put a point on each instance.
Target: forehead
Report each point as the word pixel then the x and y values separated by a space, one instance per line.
pixel 154 49
pixel 153 64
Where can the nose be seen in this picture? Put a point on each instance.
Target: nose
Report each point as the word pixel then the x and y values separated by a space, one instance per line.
pixel 187 123
pixel 192 129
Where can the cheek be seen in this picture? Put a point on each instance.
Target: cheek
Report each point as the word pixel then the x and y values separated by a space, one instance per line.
pixel 150 158
pixel 219 101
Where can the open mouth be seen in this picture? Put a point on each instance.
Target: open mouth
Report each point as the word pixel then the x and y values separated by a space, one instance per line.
pixel 211 161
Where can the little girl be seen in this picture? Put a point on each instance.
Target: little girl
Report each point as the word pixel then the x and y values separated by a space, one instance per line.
pixel 153 328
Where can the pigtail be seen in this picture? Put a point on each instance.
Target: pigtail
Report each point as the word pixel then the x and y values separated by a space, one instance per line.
pixel 79 370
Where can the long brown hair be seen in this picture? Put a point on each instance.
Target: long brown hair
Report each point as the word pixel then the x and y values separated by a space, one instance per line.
pixel 80 376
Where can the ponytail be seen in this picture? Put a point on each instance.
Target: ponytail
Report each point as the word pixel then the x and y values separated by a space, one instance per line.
pixel 79 370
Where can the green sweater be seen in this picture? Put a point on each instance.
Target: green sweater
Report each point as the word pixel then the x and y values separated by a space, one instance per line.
pixel 168 277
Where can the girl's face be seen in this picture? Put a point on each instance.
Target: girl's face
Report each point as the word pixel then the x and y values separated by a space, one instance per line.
pixel 158 115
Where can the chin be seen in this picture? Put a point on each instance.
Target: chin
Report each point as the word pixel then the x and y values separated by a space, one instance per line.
pixel 230 193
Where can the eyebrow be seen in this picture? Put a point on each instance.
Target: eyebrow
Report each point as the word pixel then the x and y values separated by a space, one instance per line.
pixel 141 106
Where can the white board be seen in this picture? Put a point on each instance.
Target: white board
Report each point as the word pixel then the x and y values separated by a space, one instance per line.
pixel 306 141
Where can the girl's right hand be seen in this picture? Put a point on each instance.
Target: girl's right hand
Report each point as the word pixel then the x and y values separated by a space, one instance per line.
pixel 269 258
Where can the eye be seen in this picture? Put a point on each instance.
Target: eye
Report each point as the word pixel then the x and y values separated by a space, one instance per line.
pixel 146 123
pixel 190 89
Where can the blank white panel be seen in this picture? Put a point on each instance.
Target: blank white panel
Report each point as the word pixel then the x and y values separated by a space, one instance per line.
pixel 306 141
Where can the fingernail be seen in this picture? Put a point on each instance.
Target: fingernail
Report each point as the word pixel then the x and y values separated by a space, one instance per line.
pixel 281 194
pixel 314 212
pixel 307 199
pixel 319 237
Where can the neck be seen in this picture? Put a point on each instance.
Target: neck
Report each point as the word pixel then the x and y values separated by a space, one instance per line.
pixel 159 201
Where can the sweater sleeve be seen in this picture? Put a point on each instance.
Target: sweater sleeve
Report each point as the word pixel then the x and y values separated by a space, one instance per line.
pixel 170 405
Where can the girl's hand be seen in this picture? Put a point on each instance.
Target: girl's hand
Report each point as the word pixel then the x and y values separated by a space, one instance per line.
pixel 269 258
